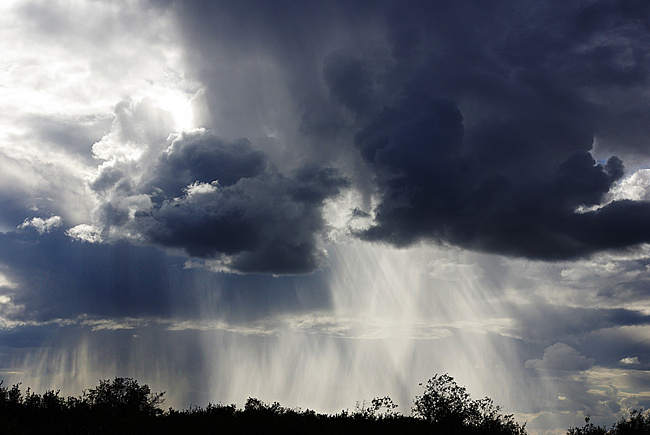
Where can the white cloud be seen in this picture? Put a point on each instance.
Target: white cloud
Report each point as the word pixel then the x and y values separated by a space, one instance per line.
pixel 65 67
pixel 8 310
pixel 112 324
pixel 630 361
pixel 42 225
pixel 85 233
pixel 198 188
pixel 76 56
pixel 636 187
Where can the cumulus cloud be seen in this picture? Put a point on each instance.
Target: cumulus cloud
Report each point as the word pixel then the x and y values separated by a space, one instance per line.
pixel 439 183
pixel 636 187
pixel 42 225
pixel 491 150
pixel 70 63
pixel 630 361
pixel 501 167
pixel 214 198
pixel 454 136
pixel 561 357
pixel 84 232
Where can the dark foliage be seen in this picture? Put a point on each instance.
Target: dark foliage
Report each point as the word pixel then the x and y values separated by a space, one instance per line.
pixel 125 396
pixel 118 406
pixel 449 407
pixel 638 423
pixel 122 406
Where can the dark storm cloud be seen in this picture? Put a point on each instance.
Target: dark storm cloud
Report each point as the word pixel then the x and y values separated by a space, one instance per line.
pixel 431 189
pixel 221 200
pixel 204 158
pixel 265 224
pixel 510 177
pixel 475 119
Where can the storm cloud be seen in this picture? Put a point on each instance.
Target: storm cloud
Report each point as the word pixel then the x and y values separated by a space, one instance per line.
pixel 481 125
pixel 213 198
pixel 221 186
pixel 517 175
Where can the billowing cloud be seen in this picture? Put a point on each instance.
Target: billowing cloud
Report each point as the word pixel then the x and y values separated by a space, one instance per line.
pixel 431 190
pixel 460 138
pixel 457 137
pixel 85 233
pixel 508 180
pixel 561 357
pixel 42 225
pixel 214 198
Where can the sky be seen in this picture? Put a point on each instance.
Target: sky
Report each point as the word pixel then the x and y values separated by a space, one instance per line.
pixel 319 203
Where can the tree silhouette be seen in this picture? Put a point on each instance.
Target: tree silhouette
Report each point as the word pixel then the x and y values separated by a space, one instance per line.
pixel 448 405
pixel 638 423
pixel 126 395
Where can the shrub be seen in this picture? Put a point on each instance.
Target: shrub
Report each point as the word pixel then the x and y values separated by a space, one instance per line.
pixel 124 394
pixel 448 405
pixel 638 423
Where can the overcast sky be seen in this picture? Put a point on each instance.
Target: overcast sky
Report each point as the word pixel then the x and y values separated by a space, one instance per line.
pixel 320 203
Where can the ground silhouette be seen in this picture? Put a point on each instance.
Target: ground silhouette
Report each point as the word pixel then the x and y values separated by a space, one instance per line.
pixel 123 406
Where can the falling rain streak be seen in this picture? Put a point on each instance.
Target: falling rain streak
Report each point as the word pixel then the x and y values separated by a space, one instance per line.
pixel 395 318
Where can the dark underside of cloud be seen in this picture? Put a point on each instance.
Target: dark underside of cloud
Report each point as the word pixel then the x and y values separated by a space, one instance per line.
pixel 220 200
pixel 516 175
pixel 470 123
pixel 482 192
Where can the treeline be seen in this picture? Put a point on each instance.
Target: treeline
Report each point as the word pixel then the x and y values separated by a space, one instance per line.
pixel 123 406
pixel 638 423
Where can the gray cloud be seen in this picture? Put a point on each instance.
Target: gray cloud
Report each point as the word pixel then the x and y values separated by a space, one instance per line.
pixel 561 357
pixel 270 223
pixel 204 157
pixel 474 123
pixel 209 196
pixel 545 322
pixel 510 179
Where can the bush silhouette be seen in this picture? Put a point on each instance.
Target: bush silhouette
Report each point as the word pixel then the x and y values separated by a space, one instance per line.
pixel 638 423
pixel 124 395
pixel 449 406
